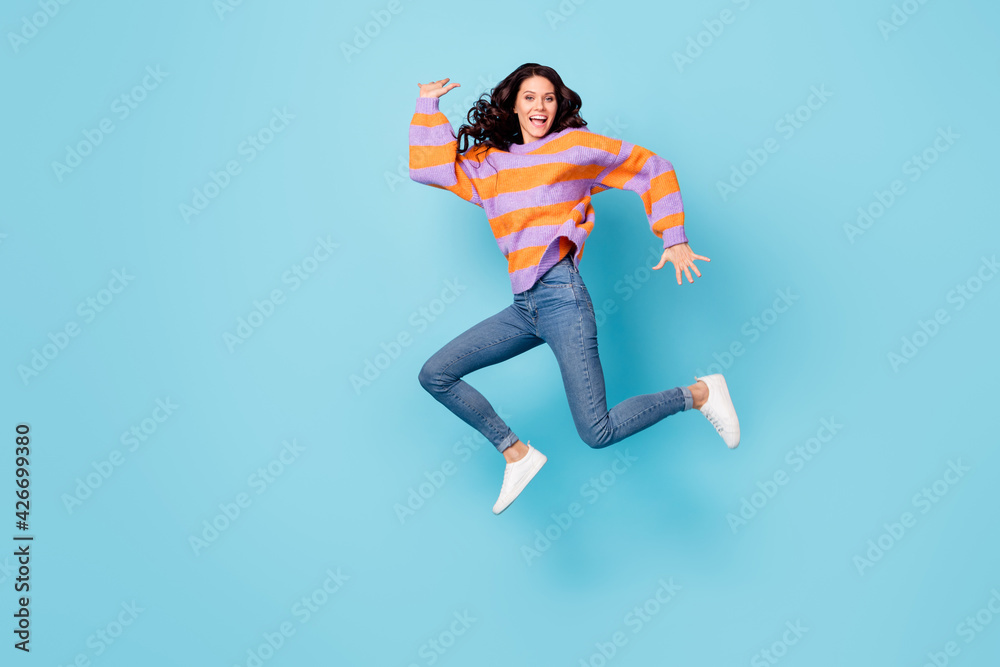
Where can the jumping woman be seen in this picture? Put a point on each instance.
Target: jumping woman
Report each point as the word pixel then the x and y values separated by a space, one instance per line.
pixel 533 168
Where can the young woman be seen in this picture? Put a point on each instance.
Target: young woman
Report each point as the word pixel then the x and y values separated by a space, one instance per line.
pixel 533 169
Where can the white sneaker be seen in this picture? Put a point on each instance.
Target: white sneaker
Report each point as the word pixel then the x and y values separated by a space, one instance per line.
pixel 719 409
pixel 517 475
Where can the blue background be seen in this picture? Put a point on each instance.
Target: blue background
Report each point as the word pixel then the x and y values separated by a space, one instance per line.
pixel 336 172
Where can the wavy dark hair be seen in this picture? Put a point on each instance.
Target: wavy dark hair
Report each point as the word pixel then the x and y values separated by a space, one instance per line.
pixel 493 122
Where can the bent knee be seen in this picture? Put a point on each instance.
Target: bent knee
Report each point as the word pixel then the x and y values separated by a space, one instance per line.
pixel 426 377
pixel 595 438
pixel 431 377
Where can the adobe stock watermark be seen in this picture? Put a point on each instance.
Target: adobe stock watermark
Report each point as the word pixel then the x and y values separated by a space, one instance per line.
pixel 369 31
pixel 971 627
pixel 592 490
pixel 435 647
pixel 107 635
pixel 259 481
pixel 562 12
pixel 960 295
pixel 304 609
pixel 714 27
pixel 796 459
pixel 924 500
pixel 132 438
pixel 752 329
pixel 779 648
pixel 121 108
pixel 87 310
pixel 635 619
pixel 32 23
pixel 224 7
pixel 914 167
pixel 433 480
pixel 787 125
pixel 627 286
pixel 899 16
pixel 254 144
pixel 419 320
pixel 294 277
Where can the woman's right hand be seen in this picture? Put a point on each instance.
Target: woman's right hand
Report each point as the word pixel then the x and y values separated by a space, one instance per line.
pixel 436 88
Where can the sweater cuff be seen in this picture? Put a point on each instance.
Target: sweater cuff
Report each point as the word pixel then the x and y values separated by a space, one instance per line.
pixel 428 104
pixel 673 236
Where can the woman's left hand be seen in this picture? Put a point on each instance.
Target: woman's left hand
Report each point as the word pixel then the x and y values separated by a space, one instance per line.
pixel 682 258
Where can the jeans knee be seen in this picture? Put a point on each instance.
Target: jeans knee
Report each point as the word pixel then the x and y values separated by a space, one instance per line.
pixel 431 378
pixel 426 377
pixel 595 438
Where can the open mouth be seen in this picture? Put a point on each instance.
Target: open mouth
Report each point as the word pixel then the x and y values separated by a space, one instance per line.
pixel 538 120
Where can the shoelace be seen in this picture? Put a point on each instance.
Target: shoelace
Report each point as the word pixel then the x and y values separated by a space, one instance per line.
pixel 711 416
pixel 715 421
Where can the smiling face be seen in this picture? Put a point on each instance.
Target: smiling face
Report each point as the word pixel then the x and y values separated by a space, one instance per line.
pixel 535 98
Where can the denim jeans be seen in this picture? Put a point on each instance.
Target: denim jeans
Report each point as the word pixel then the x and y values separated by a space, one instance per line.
pixel 557 310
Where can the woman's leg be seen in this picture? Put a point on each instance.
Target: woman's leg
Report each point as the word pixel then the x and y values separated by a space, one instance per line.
pixel 566 323
pixel 495 339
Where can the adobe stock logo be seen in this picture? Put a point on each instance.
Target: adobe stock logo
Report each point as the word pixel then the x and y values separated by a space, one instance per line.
pixel 122 108
pixel 420 320
pixel 787 125
pixel 960 295
pixel 88 310
pixel 925 500
pixel 796 458
pixel 37 21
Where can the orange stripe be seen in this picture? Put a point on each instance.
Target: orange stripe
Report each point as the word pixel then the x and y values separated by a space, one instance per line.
pixel 672 220
pixel 429 119
pixel 533 216
pixel 583 138
pixel 432 156
pixel 525 257
pixel 517 179
pixel 664 184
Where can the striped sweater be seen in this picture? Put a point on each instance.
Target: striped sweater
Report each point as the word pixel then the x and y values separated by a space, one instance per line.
pixel 537 195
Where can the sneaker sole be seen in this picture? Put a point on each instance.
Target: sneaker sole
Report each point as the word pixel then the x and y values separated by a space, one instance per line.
pixel 532 471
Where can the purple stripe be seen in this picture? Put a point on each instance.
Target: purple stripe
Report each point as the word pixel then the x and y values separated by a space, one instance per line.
pixel 439 135
pixel 526 238
pixel 522 280
pixel 674 235
pixel 476 199
pixel 428 104
pixel 443 175
pixel 667 205
pixel 544 195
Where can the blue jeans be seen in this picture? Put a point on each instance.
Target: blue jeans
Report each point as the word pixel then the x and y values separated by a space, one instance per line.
pixel 557 310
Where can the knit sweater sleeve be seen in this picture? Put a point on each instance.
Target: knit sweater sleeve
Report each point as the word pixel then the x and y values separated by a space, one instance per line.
pixel 634 168
pixel 433 159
